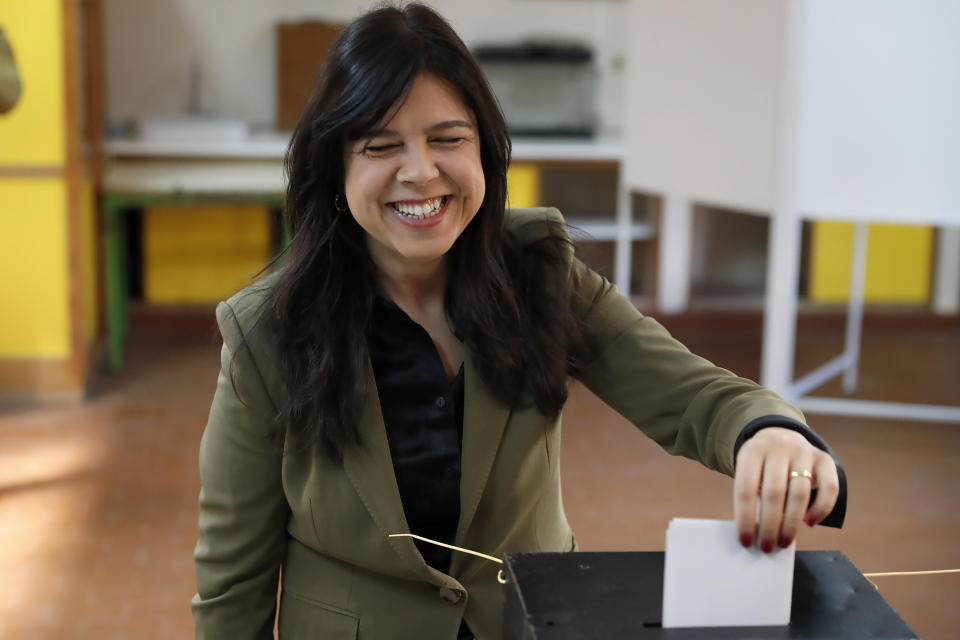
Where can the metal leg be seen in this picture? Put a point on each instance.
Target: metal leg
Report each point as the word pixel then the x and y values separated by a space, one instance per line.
pixel 858 276
pixel 124 273
pixel 875 409
pixel 285 235
pixel 113 289
pixel 673 269
pixel 624 242
pixel 780 303
pixel 946 294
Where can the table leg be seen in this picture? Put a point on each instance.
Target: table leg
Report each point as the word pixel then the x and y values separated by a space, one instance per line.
pixel 624 241
pixel 285 232
pixel 123 273
pixel 673 268
pixel 113 289
pixel 780 303
pixel 946 294
pixel 858 277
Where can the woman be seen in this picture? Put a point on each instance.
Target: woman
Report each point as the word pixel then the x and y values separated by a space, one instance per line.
pixel 405 370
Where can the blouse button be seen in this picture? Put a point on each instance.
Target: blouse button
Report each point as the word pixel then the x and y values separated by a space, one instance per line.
pixel 441 402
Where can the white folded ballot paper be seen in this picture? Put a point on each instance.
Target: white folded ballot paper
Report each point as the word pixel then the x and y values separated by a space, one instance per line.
pixel 710 580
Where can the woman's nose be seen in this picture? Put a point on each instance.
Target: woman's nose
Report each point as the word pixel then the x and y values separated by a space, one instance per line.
pixel 418 165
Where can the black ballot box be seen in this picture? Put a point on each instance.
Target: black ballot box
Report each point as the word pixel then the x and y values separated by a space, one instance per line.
pixel 605 596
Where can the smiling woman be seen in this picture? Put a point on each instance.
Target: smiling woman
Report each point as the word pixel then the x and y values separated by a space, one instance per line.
pixel 416 182
pixel 404 370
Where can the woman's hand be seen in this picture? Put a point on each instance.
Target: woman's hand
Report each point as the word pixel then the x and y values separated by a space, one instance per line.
pixel 764 466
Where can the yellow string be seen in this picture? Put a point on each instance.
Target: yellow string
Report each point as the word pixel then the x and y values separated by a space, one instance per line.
pixel 500 577
pixel 910 573
pixel 443 544
pixel 502 580
pixel 905 573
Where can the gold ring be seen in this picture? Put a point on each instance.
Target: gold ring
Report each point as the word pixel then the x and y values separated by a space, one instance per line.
pixel 801 474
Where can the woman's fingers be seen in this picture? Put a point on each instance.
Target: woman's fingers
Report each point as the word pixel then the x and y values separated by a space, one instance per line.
pixel 828 488
pixel 782 468
pixel 799 487
pixel 773 492
pixel 746 483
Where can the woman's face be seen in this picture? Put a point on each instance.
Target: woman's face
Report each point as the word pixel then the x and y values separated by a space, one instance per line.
pixel 415 182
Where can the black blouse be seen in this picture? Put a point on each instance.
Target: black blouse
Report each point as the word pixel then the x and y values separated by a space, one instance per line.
pixel 423 413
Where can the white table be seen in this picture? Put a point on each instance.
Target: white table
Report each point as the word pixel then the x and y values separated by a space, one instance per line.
pixel 143 171
pixel 255 164
pixel 870 135
pixel 799 109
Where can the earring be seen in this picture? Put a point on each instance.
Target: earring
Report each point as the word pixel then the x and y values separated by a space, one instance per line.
pixel 338 203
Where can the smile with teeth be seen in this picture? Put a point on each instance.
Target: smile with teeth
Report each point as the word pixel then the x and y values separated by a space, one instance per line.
pixel 422 210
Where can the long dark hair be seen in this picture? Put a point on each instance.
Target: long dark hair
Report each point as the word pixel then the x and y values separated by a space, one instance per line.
pixel 508 303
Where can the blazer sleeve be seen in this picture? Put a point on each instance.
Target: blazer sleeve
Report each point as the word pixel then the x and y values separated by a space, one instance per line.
pixel 688 405
pixel 243 510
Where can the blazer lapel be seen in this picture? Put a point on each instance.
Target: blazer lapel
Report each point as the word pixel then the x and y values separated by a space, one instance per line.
pixel 370 469
pixel 484 420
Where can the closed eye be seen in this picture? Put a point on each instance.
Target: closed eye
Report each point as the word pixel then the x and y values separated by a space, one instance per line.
pixel 452 140
pixel 380 147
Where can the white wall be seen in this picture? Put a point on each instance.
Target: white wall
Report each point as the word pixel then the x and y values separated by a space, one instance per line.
pixel 151 46
pixel 877 132
pixel 704 98
pixel 869 130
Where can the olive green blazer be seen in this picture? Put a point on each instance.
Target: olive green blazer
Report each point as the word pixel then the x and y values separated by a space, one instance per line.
pixel 327 525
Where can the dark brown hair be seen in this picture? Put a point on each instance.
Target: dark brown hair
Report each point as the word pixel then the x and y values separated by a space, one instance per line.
pixel 508 303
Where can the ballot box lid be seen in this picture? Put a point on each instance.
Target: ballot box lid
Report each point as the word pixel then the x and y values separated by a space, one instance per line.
pixel 601 595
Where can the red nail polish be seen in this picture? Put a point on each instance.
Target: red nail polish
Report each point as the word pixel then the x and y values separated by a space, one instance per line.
pixel 784 542
pixel 746 540
pixel 766 546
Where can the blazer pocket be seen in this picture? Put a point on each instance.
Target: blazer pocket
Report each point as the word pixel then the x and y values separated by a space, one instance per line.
pixel 306 619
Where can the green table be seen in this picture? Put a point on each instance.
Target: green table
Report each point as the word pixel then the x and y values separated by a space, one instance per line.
pixel 133 186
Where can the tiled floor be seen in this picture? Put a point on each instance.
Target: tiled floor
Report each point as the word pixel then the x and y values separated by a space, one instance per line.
pixel 98 501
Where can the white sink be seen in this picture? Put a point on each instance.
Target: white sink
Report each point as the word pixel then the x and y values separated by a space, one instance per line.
pixel 191 128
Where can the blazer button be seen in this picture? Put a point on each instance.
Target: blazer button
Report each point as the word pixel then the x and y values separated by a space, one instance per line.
pixel 451 596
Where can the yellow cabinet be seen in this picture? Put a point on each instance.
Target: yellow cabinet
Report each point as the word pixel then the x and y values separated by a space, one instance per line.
pixel 523 186
pixel 899 261
pixel 203 253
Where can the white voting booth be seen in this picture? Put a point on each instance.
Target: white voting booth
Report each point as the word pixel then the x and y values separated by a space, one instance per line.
pixel 799 109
